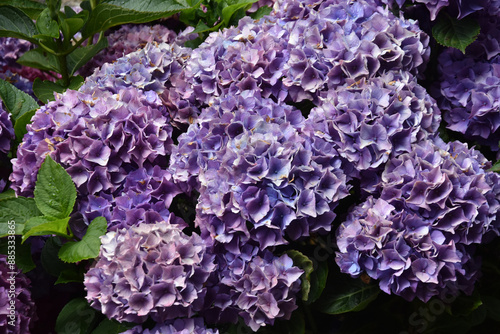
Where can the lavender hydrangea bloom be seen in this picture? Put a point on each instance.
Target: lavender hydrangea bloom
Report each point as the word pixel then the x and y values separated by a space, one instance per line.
pixel 179 326
pixel 470 89
pixel 416 238
pixel 150 270
pixel 126 39
pixel 10 50
pixel 458 8
pixel 6 131
pixel 255 173
pixel 254 284
pixel 15 318
pixel 295 57
pixel 367 122
pixel 100 139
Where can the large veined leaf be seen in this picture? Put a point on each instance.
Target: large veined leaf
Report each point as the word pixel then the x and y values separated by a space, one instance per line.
pixel 455 33
pixel 115 12
pixel 15 23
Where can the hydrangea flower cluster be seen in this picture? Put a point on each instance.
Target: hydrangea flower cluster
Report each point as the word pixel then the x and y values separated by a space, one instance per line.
pixel 254 284
pixel 10 50
pixel 254 167
pixel 127 39
pixel 295 56
pixel 415 239
pixel 23 312
pixel 149 270
pixel 471 96
pixel 6 136
pixel 459 8
pixel 179 326
pixel 368 122
pixel 100 139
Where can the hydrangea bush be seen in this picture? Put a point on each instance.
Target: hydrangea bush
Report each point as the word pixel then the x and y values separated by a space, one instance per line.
pixel 274 179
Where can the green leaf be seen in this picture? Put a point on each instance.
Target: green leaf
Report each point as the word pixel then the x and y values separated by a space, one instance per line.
pixel 75 317
pixel 9 193
pixel 233 7
pixel 55 192
pixel 88 247
pixel 29 7
pixel 465 305
pixel 46 25
pixel 15 23
pixel 49 259
pixel 40 59
pixel 18 210
pixel 318 281
pixel 82 55
pixel 112 327
pixel 451 32
pixel 74 24
pixel 71 275
pixel 15 101
pixel 304 263
pixel 348 295
pixel 495 167
pixel 24 261
pixel 44 90
pixel 261 12
pixel 53 227
pixel 116 12
pixel 20 125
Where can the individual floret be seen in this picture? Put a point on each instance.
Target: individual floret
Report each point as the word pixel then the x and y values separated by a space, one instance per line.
pixel 150 270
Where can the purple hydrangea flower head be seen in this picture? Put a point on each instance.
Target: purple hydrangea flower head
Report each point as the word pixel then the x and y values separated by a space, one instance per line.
pixel 177 326
pixel 113 147
pixel 126 39
pixel 150 270
pixel 255 173
pixel 254 284
pixel 458 8
pixel 367 122
pixel 293 57
pixel 436 201
pixel 10 50
pixel 6 131
pixel 470 87
pixel 17 318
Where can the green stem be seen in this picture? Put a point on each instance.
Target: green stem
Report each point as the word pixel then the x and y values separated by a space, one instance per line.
pixel 63 65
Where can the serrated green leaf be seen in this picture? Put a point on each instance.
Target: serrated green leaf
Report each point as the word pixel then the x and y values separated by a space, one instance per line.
pixel 46 25
pixel 318 280
pixel 232 7
pixel 55 192
pixel 30 8
pixel 40 59
pixel 304 263
pixel 75 317
pixel 24 260
pixel 49 259
pixel 349 295
pixel 112 327
pixel 15 101
pixel 20 125
pixel 35 221
pixel 57 227
pixel 70 275
pixel 451 32
pixel 82 55
pixel 44 90
pixel 18 210
pixel 261 12
pixel 88 247
pixel 116 12
pixel 8 193
pixel 15 23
